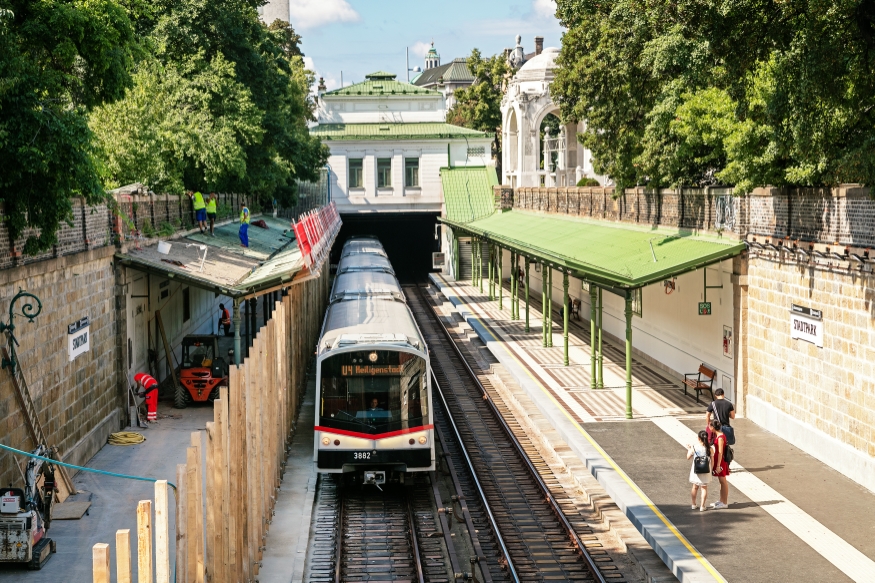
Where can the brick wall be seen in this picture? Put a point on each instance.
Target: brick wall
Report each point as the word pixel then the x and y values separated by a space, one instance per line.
pixel 71 398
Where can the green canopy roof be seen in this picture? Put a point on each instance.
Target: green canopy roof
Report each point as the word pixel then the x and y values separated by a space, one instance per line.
pixel 393 131
pixel 468 192
pixel 616 255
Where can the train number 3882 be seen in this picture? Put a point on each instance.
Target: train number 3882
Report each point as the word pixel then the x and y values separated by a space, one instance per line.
pixel 361 455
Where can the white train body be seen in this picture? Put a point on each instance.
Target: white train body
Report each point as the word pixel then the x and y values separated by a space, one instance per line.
pixel 373 377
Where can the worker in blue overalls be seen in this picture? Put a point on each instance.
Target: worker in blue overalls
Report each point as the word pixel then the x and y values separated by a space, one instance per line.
pixel 244 225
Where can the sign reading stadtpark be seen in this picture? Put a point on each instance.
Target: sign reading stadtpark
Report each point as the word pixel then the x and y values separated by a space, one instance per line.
pixel 78 338
pixel 806 324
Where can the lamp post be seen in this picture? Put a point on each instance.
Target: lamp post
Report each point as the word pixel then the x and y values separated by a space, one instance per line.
pixel 28 311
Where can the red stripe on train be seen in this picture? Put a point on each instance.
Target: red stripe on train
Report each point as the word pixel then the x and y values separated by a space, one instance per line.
pixel 372 435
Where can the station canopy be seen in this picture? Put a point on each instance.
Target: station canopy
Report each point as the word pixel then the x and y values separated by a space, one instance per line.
pixel 614 255
pixel 220 264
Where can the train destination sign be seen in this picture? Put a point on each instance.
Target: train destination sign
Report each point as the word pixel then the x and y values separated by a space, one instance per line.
pixel 358 370
pixel 806 324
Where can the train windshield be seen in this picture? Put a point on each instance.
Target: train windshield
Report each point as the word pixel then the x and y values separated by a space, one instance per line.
pixel 374 391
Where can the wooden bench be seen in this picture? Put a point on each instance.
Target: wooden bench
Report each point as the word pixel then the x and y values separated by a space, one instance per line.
pixel 575 308
pixel 700 381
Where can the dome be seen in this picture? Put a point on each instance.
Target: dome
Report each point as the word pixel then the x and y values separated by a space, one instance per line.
pixel 539 68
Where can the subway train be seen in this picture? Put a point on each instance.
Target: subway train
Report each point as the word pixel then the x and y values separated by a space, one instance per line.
pixel 373 377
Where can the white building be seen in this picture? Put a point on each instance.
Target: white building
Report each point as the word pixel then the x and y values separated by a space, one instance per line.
pixel 388 141
pixel 523 109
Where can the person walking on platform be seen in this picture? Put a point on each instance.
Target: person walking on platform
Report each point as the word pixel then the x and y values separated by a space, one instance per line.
pixel 721 466
pixel 244 225
pixel 200 210
pixel 211 213
pixel 721 408
pixel 703 465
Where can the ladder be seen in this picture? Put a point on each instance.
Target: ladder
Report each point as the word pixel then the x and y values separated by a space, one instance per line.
pixel 65 484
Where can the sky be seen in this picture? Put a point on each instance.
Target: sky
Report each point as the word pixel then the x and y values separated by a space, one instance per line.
pixel 357 37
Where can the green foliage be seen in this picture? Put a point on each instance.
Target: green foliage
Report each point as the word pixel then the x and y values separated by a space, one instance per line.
pixel 588 182
pixel 479 106
pixel 58 59
pixel 746 93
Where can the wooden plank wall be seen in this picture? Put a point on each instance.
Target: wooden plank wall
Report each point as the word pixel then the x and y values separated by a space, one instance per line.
pixel 227 489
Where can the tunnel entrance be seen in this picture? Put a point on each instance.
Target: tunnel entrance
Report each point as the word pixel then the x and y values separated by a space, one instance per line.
pixel 407 237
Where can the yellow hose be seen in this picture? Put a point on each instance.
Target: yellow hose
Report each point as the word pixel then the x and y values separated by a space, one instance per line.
pixel 126 438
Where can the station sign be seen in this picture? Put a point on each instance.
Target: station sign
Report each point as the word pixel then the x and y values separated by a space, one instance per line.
pixel 704 308
pixel 78 338
pixel 806 324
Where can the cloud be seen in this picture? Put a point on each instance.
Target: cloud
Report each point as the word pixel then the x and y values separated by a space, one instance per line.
pixel 420 49
pixel 331 82
pixel 316 13
pixel 544 8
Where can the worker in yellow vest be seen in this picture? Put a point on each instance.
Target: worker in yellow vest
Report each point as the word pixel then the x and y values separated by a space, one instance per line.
pixel 244 225
pixel 200 210
pixel 211 212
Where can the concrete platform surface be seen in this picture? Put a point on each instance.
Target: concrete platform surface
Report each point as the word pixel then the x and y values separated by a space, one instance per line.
pixel 790 516
pixel 114 500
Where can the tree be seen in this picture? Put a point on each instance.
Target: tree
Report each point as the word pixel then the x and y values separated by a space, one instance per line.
pixel 747 93
pixel 479 106
pixel 58 60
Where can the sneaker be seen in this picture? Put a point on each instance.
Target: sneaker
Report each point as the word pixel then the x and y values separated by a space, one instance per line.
pixel 718 505
pixel 702 509
pixel 693 507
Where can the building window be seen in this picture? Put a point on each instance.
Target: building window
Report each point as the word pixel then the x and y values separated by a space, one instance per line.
pixel 384 172
pixel 186 304
pixel 411 172
pixel 476 151
pixel 356 168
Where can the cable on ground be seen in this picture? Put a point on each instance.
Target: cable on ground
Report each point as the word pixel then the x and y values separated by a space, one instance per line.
pixel 125 438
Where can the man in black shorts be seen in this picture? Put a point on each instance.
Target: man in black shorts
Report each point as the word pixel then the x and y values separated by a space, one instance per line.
pixel 722 408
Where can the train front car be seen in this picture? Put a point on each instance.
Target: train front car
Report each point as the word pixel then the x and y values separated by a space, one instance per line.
pixel 373 416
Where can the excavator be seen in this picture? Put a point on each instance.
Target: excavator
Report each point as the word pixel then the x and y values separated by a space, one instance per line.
pixel 26 514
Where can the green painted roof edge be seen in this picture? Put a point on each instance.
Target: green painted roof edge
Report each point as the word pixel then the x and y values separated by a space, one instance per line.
pixel 595 274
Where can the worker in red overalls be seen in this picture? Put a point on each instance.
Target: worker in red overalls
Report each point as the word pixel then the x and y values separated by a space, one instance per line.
pixel 148 388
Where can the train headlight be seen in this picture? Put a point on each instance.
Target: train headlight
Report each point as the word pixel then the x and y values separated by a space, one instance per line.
pixel 373 356
pixel 422 439
pixel 325 441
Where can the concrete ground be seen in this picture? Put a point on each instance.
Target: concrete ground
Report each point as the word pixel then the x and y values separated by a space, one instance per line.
pixel 790 517
pixel 114 500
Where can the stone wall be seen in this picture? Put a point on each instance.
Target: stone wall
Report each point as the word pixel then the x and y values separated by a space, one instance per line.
pixel 72 398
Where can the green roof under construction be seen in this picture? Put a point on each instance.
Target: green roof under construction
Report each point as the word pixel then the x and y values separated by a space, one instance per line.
pixel 611 254
pixel 468 192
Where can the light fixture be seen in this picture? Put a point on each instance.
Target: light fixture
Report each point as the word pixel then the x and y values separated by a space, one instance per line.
pixel 325 441
pixel 373 356
pixel 422 439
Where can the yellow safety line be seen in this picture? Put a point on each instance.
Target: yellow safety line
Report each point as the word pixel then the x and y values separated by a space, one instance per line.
pixel 602 452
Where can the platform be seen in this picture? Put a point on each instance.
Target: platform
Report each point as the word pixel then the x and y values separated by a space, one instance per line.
pixel 790 516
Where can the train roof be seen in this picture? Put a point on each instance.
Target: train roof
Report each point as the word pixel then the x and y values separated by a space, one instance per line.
pixel 369 321
pixel 356 284
pixel 364 262
pixel 363 246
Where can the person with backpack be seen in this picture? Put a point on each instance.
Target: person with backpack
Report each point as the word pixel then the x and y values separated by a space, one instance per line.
pixel 703 464
pixel 722 410
pixel 722 458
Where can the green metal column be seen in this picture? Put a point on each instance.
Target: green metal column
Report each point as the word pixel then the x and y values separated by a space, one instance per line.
pixel 526 260
pixel 500 278
pixel 628 355
pixel 511 285
pixel 516 286
pixel 238 349
pixel 489 268
pixel 457 264
pixel 550 307
pixel 473 268
pixel 544 305
pixel 565 316
pixel 479 266
pixel 593 298
pixel 601 360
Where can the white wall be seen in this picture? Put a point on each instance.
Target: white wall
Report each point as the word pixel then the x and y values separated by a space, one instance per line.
pixel 381 108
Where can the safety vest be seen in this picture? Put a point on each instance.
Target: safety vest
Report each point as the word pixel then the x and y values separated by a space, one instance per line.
pixel 244 215
pixel 211 206
pixel 198 201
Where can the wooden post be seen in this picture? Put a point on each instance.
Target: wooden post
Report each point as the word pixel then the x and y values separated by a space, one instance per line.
pixel 100 562
pixel 181 524
pixel 211 499
pixel 123 555
pixel 144 542
pixel 196 541
pixel 224 529
pixel 162 533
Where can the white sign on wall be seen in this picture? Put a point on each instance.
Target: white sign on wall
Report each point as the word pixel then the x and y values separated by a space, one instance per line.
pixel 78 338
pixel 806 324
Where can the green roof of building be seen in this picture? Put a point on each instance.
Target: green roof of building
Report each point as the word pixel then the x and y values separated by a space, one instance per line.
pixel 468 193
pixel 381 83
pixel 611 254
pixel 393 131
pixel 456 71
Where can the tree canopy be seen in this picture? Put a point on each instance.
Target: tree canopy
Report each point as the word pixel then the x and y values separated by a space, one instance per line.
pixel 176 94
pixel 744 92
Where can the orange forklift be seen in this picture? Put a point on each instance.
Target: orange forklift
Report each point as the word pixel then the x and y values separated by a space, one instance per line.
pixel 201 372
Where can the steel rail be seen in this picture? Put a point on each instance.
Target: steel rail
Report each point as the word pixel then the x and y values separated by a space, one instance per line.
pixel 339 555
pixel 554 505
pixel 414 539
pixel 445 527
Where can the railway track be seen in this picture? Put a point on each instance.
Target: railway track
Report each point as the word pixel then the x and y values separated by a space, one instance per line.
pixel 535 540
